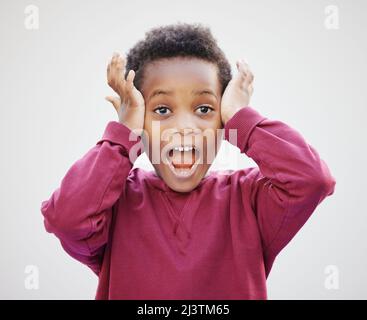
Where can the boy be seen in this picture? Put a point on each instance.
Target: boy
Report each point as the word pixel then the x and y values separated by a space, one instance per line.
pixel 181 232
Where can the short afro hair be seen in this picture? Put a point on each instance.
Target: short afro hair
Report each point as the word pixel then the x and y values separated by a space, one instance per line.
pixel 177 40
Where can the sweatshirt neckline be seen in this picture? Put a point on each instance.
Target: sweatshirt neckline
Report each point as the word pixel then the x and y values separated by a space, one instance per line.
pixel 159 184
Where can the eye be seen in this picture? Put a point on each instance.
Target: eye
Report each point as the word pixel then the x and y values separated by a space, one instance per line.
pixel 162 110
pixel 204 109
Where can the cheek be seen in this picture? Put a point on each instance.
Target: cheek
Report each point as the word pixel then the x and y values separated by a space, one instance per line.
pixel 212 140
pixel 149 129
pixel 213 120
pixel 152 139
pixel 211 125
pixel 218 120
pixel 211 145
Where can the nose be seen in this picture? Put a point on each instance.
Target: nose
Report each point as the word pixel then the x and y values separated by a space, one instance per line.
pixel 185 124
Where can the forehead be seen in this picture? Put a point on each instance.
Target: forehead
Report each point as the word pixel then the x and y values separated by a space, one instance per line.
pixel 178 72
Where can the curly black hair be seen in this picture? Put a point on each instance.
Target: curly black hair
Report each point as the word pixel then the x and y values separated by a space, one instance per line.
pixel 177 40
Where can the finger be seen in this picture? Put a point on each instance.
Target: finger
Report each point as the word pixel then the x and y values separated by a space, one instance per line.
pixel 245 72
pixel 114 57
pixel 116 74
pixel 120 62
pixel 109 72
pixel 250 89
pixel 129 87
pixel 110 67
pixel 243 67
pixel 240 77
pixel 242 73
pixel 115 62
pixel 115 105
pixel 246 69
pixel 116 102
pixel 120 71
pixel 130 80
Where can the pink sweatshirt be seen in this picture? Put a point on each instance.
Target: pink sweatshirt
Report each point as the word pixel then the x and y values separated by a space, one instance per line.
pixel 219 241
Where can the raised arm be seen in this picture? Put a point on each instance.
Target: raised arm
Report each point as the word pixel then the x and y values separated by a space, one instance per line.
pixel 79 212
pixel 291 179
pixel 290 182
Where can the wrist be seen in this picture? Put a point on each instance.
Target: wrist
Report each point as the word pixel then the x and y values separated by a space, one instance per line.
pixel 131 125
pixel 240 126
pixel 229 115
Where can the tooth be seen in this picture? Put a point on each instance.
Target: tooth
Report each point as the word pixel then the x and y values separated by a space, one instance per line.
pixel 186 148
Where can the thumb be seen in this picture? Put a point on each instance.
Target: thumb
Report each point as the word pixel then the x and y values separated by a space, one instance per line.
pixel 116 102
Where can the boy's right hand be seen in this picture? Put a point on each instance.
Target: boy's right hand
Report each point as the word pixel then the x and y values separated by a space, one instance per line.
pixel 129 104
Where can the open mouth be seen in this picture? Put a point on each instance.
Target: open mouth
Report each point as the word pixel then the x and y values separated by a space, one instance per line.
pixel 183 160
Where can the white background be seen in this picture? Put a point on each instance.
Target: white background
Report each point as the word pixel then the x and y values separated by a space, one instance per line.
pixel 52 89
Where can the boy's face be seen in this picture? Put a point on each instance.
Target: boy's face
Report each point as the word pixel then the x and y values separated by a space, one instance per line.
pixel 182 114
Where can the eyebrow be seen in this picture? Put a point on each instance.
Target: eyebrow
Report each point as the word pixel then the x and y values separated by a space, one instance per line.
pixel 170 93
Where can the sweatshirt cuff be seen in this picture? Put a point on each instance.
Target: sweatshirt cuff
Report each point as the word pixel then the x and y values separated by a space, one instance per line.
pixel 117 133
pixel 241 125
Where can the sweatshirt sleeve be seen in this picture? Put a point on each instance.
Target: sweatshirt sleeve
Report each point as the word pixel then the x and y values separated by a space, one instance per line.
pixel 289 183
pixel 79 211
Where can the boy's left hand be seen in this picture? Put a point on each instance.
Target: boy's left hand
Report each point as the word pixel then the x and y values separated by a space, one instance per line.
pixel 238 91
